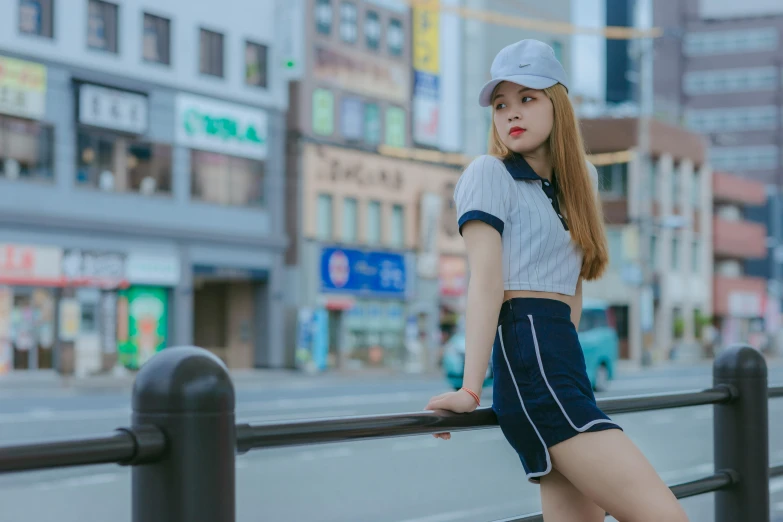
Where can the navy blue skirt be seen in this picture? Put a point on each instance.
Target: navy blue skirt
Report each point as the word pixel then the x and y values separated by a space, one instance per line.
pixel 541 394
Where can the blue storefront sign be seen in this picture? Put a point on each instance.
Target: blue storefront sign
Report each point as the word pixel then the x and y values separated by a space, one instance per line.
pixel 365 273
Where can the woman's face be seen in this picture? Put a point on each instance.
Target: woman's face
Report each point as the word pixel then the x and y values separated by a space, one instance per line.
pixel 523 117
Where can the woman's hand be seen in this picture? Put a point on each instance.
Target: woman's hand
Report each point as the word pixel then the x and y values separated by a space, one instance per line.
pixel 457 402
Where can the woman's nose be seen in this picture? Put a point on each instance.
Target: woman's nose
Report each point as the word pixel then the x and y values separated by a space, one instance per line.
pixel 512 117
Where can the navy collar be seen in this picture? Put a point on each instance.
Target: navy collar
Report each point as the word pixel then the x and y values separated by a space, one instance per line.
pixel 519 168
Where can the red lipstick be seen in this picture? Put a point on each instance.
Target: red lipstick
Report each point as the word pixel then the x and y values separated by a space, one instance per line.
pixel 516 131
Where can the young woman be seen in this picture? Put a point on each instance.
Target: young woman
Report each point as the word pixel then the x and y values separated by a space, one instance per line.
pixel 532 225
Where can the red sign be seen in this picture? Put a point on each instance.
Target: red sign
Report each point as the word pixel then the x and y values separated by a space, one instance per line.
pixel 30 265
pixel 453 276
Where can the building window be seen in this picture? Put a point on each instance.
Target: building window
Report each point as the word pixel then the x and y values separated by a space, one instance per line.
pixel 156 47
pixel 395 37
pixel 696 190
pixel 118 163
pixel 102 26
pixel 26 150
pixel 614 238
pixel 352 119
pixel 348 30
pixel 735 119
pixel 745 158
pixel 35 17
pixel 374 223
pixel 256 56
pixel 731 42
pixel 675 187
pixel 227 180
pixel 325 216
pixel 211 53
pixel 695 258
pixel 653 261
pixel 395 127
pixel 350 222
pixel 557 47
pixel 372 30
pixel 323 16
pixel 323 112
pixel 731 80
pixel 613 180
pixel 675 254
pixel 372 124
pixel 397 236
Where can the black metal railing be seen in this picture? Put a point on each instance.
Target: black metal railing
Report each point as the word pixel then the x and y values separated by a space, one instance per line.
pixel 183 439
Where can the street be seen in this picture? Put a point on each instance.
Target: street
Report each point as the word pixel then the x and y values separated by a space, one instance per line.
pixel 472 478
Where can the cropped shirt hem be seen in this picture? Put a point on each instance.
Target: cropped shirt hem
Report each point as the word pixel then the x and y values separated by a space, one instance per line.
pixel 536 287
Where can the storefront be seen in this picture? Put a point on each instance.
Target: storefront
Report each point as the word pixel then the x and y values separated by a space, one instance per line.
pixel 26 142
pixel 113 152
pixel 82 311
pixel 453 289
pixel 360 319
pixel 228 150
pixel 228 312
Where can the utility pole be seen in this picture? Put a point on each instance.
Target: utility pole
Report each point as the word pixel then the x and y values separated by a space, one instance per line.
pixel 644 194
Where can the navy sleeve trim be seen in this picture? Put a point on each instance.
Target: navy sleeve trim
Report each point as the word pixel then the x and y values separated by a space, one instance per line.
pixel 479 215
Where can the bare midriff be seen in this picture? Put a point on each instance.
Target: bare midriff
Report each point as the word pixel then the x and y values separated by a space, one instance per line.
pixel 570 300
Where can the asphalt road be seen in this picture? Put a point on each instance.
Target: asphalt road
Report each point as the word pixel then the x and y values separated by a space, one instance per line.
pixel 473 477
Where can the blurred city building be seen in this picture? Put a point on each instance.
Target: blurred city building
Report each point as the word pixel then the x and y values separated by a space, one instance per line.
pixel 678 188
pixel 141 183
pixel 741 308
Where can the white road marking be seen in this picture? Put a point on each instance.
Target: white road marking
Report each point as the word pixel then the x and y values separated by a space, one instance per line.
pixel 331 453
pixel 75 482
pixel 691 472
pixel 246 408
pixel 465 514
pixel 416 444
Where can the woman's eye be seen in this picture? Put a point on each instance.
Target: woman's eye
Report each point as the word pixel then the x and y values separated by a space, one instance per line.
pixel 525 99
pixel 499 106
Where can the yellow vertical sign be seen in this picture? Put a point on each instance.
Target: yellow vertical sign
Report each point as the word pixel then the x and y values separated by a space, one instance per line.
pixel 426 36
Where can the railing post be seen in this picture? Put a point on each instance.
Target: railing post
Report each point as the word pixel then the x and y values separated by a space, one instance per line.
pixel 741 436
pixel 187 392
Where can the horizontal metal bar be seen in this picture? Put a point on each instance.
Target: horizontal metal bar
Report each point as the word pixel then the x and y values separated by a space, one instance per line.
pixel 315 431
pixel 664 401
pixel 122 447
pixel 775 392
pixel 339 429
pixel 776 471
pixel 720 480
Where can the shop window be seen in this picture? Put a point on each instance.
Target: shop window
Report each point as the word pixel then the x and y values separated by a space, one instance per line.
pixel 211 61
pixel 398 226
pixel 102 26
pixel 256 64
pixel 26 150
pixel 325 217
pixel 227 180
pixel 35 17
pixel 115 163
pixel 374 223
pixel 350 224
pixel 156 45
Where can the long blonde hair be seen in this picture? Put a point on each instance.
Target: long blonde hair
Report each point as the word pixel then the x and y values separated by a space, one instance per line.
pixel 584 213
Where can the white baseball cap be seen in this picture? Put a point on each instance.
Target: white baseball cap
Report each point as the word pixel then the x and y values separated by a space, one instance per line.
pixel 530 63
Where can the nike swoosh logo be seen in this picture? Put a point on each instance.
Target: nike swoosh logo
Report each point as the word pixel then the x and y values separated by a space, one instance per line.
pixel 523 65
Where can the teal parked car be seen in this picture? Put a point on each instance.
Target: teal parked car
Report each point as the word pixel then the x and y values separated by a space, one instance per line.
pixel 597 335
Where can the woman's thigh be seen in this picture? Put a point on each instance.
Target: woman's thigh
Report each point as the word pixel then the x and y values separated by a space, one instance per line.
pixel 607 467
pixel 562 502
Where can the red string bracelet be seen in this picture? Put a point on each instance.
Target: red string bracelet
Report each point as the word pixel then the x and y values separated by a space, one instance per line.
pixel 474 395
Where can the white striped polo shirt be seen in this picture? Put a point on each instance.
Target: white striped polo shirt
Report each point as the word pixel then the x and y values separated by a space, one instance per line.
pixel 538 252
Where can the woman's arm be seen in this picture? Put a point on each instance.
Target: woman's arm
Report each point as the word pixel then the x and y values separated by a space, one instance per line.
pixel 485 297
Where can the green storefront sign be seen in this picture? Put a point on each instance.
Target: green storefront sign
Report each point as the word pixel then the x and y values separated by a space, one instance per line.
pixel 146 330
pixel 217 126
